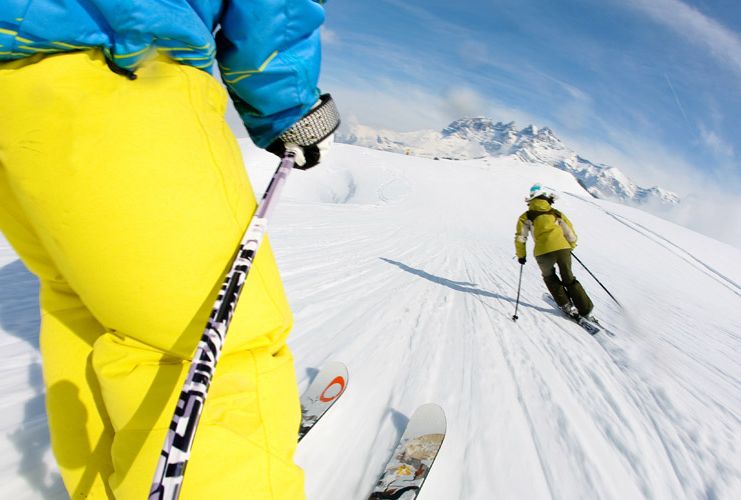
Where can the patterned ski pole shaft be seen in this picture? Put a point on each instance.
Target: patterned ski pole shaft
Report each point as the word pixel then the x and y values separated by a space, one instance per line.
pixel 175 453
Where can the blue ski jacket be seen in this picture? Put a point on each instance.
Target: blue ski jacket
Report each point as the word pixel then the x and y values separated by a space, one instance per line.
pixel 268 51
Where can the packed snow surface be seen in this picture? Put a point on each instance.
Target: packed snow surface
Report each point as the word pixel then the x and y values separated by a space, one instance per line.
pixel 402 268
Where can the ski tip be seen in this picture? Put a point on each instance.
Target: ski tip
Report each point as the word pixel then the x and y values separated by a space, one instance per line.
pixel 336 367
pixel 429 418
pixel 328 384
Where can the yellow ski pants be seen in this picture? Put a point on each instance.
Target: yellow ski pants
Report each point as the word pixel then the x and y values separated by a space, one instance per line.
pixel 128 199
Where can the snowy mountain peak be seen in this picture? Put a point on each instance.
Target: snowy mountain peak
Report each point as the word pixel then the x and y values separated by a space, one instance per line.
pixel 477 126
pixel 530 130
pixel 476 137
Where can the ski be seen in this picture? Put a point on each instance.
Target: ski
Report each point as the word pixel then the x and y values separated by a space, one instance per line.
pixel 591 326
pixel 410 464
pixel 323 392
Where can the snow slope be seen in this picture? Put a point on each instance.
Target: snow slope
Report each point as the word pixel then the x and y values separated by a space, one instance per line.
pixel 402 267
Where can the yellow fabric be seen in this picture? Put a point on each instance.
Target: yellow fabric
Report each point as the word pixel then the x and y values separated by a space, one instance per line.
pixel 547 233
pixel 128 199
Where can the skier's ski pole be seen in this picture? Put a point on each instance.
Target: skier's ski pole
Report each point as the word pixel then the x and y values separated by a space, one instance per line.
pixel 175 453
pixel 517 302
pixel 595 279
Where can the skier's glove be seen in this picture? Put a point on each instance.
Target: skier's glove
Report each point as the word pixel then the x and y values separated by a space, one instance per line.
pixel 311 136
pixel 522 260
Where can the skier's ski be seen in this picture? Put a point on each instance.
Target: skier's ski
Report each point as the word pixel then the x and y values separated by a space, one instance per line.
pixel 409 465
pixel 592 327
pixel 324 390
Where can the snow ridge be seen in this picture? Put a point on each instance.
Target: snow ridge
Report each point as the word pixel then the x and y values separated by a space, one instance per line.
pixel 472 138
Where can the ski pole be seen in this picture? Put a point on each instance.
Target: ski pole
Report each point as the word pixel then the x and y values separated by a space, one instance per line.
pixel 595 279
pixel 175 453
pixel 517 302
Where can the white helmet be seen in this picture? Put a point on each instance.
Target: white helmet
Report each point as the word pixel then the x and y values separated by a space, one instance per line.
pixel 536 191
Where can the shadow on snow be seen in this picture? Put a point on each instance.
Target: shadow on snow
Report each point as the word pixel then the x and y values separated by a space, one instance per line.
pixel 20 317
pixel 462 286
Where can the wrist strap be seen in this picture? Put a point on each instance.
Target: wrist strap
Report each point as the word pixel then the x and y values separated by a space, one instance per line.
pixel 317 125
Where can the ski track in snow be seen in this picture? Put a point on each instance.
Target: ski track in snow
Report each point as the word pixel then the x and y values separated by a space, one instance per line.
pixel 402 268
pixel 666 243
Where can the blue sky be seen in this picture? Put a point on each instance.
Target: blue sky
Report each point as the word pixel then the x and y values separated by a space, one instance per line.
pixel 650 86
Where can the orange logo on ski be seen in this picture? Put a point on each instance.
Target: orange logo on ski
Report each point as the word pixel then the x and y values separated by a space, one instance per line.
pixel 338 380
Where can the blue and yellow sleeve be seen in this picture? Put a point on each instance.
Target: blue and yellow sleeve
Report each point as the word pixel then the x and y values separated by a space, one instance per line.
pixel 269 54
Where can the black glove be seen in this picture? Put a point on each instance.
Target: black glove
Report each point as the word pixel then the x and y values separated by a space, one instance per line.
pixel 522 260
pixel 311 136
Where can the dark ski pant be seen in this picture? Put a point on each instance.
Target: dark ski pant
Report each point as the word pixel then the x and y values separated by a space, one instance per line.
pixel 566 289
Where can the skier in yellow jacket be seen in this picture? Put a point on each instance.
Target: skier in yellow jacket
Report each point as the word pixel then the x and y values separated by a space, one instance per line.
pixel 123 189
pixel 554 237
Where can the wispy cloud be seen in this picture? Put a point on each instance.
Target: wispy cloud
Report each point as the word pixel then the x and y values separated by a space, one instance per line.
pixel 700 213
pixel 722 43
pixel 715 143
pixel 461 101
pixel 647 161
pixel 371 54
pixel 386 103
pixel 428 18
pixel 397 104
pixel 464 101
pixel 329 37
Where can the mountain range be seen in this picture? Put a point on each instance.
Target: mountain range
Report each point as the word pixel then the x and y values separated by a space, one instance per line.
pixel 471 138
